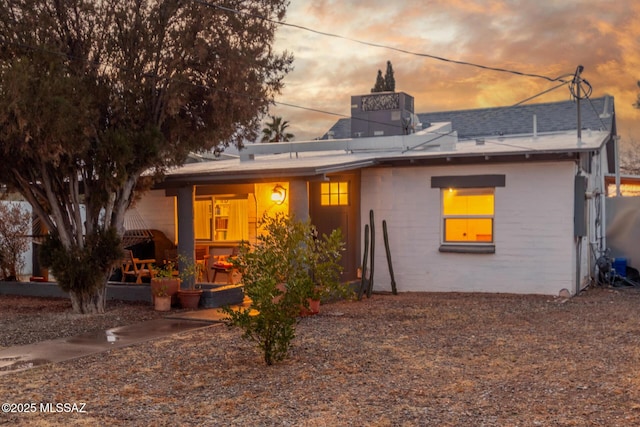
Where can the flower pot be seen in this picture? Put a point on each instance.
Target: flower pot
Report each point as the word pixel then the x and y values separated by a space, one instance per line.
pixel 162 303
pixel 171 286
pixel 314 308
pixel 189 298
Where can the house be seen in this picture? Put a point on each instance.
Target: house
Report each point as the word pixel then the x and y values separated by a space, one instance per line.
pixel 486 200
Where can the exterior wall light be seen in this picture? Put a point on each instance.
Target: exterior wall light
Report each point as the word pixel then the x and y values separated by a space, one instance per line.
pixel 278 194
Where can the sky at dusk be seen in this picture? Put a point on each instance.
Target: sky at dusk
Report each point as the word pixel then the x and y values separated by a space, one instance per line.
pixel 548 37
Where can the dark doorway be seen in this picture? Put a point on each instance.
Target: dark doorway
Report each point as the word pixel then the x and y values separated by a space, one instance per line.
pixel 336 204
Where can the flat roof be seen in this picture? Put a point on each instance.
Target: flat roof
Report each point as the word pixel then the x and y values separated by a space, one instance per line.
pixel 316 158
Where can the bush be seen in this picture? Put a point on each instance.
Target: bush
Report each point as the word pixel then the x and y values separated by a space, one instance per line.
pixel 287 266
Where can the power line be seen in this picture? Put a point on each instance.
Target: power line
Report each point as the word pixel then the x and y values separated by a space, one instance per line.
pixel 227 92
pixel 396 49
pixel 489 113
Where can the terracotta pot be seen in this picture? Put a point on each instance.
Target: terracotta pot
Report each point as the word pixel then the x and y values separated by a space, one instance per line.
pixel 189 298
pixel 172 285
pixel 314 308
pixel 162 303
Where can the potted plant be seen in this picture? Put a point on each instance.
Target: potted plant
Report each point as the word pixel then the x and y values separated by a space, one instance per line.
pixel 189 292
pixel 324 269
pixel 166 278
pixel 161 299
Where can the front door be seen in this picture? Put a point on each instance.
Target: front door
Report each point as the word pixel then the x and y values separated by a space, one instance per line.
pixel 336 204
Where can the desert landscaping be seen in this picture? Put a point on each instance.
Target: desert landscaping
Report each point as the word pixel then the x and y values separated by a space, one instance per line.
pixel 444 359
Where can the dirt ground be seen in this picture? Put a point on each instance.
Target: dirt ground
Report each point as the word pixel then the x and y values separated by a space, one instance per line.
pixel 414 359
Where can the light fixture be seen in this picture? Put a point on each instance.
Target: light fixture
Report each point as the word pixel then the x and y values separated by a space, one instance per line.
pixel 278 194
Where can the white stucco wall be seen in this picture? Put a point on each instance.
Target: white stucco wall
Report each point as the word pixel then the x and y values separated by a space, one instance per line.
pixel 158 212
pixel 533 230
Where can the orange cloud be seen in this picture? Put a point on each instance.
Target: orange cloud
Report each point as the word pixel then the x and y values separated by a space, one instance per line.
pixel 544 37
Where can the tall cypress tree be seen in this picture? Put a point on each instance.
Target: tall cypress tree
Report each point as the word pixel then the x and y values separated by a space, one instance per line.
pixel 379 86
pixel 389 80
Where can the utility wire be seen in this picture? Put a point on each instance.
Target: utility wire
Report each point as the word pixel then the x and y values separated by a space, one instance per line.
pixel 194 84
pixel 492 112
pixel 372 44
pixel 223 8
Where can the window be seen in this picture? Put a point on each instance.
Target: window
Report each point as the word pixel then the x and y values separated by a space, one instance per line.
pixel 467 215
pixel 202 214
pixel 334 193
pixel 221 219
pixel 468 212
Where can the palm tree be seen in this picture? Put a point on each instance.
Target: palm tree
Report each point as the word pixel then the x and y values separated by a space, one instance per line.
pixel 276 131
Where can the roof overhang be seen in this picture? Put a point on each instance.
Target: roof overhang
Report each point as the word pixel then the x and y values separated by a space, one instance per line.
pixel 309 162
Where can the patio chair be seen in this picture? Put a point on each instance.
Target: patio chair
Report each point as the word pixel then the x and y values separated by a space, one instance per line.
pixel 136 267
pixel 202 259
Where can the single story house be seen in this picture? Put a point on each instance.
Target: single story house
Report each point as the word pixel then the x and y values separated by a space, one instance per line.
pixel 486 200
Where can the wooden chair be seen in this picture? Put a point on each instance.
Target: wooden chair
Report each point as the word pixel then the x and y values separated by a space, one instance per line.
pixel 135 267
pixel 202 259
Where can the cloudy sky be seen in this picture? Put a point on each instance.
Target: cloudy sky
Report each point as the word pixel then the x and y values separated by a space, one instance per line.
pixel 548 37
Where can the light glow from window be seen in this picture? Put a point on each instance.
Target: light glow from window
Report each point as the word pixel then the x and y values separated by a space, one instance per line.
pixel 468 215
pixel 334 193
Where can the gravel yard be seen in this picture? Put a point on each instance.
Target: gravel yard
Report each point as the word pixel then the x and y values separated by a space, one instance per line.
pixel 414 359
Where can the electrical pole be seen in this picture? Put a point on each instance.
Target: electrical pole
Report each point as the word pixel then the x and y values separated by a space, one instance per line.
pixel 576 82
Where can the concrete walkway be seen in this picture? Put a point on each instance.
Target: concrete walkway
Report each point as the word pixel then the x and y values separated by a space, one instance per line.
pixel 20 358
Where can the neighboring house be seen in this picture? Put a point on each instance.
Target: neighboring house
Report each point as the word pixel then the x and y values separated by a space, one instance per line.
pixel 491 200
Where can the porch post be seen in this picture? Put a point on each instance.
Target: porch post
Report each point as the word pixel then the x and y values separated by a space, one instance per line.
pixel 186 239
pixel 299 199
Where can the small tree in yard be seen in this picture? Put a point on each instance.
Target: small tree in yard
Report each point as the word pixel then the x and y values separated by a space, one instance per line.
pixel 14 230
pixel 287 266
pixel 98 98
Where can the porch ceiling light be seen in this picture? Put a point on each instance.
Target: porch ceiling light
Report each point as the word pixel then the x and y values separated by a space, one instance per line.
pixel 278 194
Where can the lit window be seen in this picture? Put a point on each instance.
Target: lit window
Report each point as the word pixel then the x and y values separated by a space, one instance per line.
pixel 334 193
pixel 202 214
pixel 221 220
pixel 468 215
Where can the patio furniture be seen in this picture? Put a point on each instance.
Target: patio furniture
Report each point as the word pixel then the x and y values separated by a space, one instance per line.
pixel 202 259
pixel 222 264
pixel 136 267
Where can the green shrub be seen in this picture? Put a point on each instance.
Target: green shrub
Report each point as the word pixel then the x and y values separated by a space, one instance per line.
pixel 288 265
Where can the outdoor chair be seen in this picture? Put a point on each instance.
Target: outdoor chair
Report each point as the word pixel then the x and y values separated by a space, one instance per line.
pixel 202 259
pixel 136 267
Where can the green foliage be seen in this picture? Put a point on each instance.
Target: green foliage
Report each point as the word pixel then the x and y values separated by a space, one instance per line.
pixel 14 228
pixel 161 291
pixel 94 94
pixel 386 83
pixel 379 86
pixel 287 266
pixel 276 131
pixel 389 80
pixel 188 270
pixel 165 271
pixel 82 269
